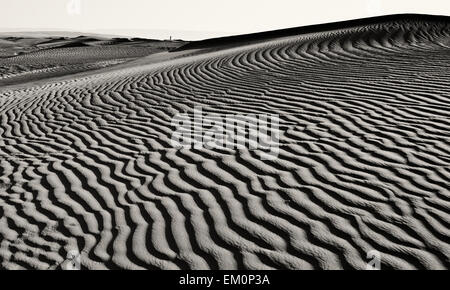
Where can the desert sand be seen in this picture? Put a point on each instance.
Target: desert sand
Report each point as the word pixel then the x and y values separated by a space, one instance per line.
pixel 86 161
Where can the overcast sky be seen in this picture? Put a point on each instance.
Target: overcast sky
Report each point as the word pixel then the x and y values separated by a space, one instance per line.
pixel 195 19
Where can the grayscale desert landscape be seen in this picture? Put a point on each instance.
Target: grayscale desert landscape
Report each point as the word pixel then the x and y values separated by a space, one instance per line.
pixel 88 166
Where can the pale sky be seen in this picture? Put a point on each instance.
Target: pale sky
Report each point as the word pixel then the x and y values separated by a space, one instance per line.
pixel 195 19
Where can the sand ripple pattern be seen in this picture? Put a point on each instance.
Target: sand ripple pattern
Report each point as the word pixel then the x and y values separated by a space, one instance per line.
pixel 364 159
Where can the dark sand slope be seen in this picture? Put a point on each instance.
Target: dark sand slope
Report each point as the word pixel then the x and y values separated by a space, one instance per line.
pixel 364 164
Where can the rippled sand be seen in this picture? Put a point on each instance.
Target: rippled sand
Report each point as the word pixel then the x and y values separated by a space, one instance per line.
pixel 86 160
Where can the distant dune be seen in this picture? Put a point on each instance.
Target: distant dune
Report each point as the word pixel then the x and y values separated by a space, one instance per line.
pixel 87 165
pixel 26 57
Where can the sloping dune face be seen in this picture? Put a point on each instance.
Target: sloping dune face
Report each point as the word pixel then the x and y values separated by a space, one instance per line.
pixel 87 165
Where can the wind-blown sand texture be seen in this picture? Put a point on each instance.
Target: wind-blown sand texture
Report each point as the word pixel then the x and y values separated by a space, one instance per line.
pixel 86 161
pixel 26 58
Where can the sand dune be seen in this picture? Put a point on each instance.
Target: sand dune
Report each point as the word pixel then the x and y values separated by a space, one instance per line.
pixel 86 160
pixel 27 59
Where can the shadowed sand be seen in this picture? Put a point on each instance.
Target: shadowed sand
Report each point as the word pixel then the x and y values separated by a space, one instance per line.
pixel 86 161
